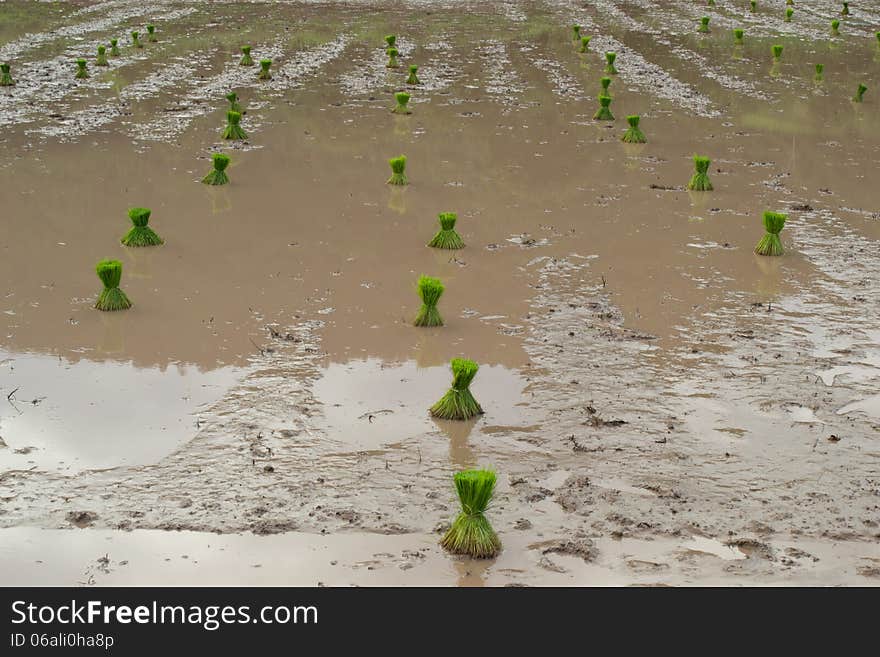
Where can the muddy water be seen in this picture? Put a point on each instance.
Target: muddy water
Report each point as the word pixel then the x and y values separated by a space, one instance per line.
pixel 643 371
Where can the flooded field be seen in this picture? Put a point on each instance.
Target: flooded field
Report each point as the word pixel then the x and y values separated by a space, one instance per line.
pixel 662 405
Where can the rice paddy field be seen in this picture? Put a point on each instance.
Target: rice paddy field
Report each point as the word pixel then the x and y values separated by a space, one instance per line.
pixel 661 404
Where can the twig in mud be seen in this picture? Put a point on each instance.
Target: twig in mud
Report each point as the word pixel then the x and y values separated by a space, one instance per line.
pixel 371 414
pixel 9 396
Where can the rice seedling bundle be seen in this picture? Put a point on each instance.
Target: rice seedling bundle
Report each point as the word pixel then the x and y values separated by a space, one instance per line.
pixel 604 111
pixel 218 174
pixel 111 298
pixel 634 135
pixel 246 59
pixel 430 290
pixel 458 403
pixel 413 78
pixel 471 534
pixel 700 180
pixel 398 171
pixel 141 234
pixel 447 237
pixel 770 244
pixel 101 59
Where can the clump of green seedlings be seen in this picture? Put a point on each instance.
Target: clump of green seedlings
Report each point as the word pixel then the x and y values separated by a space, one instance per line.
pixel 820 70
pixel 264 69
pixel 391 41
pixel 754 5
pixel 413 77
pixel 789 2
pixel 398 171
pixel 101 59
pixel 609 63
pixel 447 237
pixel 234 105
pixel 585 43
pixel 704 24
pixel 788 14
pixel 81 70
pixel 877 34
pixel 605 82
pixel 770 244
pixel 634 135
pixel 604 111
pixel 114 48
pixel 134 40
pixel 151 34
pixel 111 298
pixel 700 180
pixel 710 3
pixel 5 76
pixel 233 128
pixel 218 173
pixel 738 36
pixel 430 290
pixel 835 27
pixel 845 10
pixel 860 92
pixel 777 52
pixel 246 59
pixel 141 234
pixel 402 99
pixel 471 534
pixel 458 403
pixel 576 32
pixel 392 58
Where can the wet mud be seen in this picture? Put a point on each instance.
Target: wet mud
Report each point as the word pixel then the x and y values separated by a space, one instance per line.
pixel 663 406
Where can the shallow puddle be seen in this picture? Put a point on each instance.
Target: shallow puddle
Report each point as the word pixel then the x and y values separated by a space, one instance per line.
pixel 77 415
pixel 371 404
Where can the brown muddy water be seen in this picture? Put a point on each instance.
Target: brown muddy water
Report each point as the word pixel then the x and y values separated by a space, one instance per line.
pixel 662 405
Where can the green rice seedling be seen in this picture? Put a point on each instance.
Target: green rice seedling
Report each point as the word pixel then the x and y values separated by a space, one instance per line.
pixel 264 69
pixel 770 244
pixel 430 290
pixel 605 82
pixel 777 52
pixel 81 70
pixel 413 78
pixel 447 237
pixel 134 40
pixel 704 24
pixel 789 2
pixel 151 34
pixel 754 5
pixel 877 34
pixel 576 32
pixel 859 93
pixel 634 135
pixel 788 14
pixel 738 36
pixel 234 105
pixel 820 69
pixel 392 58
pixel 835 27
pixel 391 40
pixel 5 76
pixel 845 10
pixel 402 99
pixel 101 59
pixel 218 173
pixel 471 534
pixel 233 128
pixel 609 63
pixel 114 48
pixel 246 59
pixel 458 403
pixel 604 111
pixel 585 43
pixel 700 180
pixel 111 298
pixel 141 234
pixel 398 171
pixel 710 3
